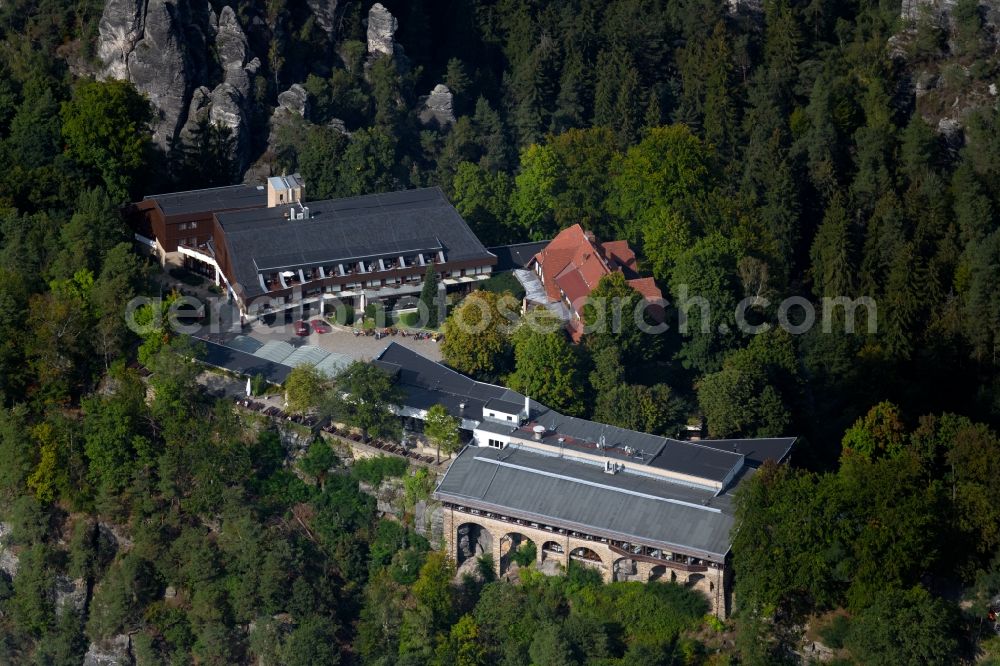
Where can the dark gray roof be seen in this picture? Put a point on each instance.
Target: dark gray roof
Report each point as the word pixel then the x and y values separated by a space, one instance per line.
pixel 510 257
pixel 692 458
pixel 755 450
pixel 505 406
pixel 426 383
pixel 231 197
pixel 243 363
pixel 498 427
pixel 365 227
pixel 579 495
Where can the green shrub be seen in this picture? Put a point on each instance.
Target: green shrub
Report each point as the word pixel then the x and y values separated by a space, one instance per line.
pixel 835 631
pixel 258 385
pixel 373 470
pixel 502 283
pixel 525 554
pixel 410 319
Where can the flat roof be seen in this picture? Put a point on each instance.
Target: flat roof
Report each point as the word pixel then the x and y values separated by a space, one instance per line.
pixel 426 383
pixel 209 200
pixel 755 450
pixel 518 255
pixel 578 495
pixel 338 230
pixel 505 406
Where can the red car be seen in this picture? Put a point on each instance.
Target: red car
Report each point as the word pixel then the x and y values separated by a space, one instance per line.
pixel 319 326
pixel 301 328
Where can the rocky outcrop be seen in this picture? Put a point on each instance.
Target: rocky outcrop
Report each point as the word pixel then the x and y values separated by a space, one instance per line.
pixel 8 560
pixel 325 12
pixel 911 10
pixel 70 594
pixel 295 100
pixel 428 521
pixel 229 103
pixel 120 29
pixel 338 125
pixel 159 67
pixel 115 651
pixel 437 108
pixel 944 86
pixel 161 46
pixel 381 31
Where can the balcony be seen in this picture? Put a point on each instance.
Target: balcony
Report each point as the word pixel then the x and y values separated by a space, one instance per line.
pixel 644 554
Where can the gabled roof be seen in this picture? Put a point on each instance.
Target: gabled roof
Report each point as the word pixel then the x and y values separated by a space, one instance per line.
pixel 574 262
pixel 581 496
pixel 619 255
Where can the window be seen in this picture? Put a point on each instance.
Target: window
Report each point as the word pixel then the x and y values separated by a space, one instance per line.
pixel 510 418
pixel 495 443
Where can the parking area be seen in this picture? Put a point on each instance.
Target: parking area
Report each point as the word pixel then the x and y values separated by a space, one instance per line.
pixel 280 344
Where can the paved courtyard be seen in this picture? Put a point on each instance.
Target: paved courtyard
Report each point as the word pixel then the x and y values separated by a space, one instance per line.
pixel 278 343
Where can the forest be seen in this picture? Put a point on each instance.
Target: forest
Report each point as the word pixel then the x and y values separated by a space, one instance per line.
pixel 775 149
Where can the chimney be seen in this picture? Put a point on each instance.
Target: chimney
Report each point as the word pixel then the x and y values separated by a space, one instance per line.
pixel 527 408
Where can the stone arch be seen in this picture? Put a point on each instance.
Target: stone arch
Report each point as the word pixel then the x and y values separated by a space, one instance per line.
pixel 658 572
pixel 587 557
pixel 471 541
pixel 553 550
pixel 624 569
pixel 510 543
pixel 694 579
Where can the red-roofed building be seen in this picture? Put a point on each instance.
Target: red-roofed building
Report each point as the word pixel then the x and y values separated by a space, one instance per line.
pixel 572 264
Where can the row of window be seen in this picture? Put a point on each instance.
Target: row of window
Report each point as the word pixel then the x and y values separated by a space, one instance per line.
pixel 495 443
pixel 187 225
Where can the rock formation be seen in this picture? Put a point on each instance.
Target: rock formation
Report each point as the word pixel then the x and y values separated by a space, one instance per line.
pixel 325 12
pixel 161 46
pixel 230 101
pixel 116 651
pixel 381 31
pixel 159 67
pixel 437 107
pixel 120 28
pixel 70 594
pixel 8 560
pixel 295 100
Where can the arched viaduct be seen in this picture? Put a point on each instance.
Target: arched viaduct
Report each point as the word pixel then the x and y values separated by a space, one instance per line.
pixel 469 535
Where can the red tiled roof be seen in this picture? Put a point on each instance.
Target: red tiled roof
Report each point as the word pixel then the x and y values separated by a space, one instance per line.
pixel 647 287
pixel 573 263
pixel 571 283
pixel 618 252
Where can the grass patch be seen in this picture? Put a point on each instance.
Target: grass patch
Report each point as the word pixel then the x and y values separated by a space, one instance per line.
pixel 502 283
pixel 374 470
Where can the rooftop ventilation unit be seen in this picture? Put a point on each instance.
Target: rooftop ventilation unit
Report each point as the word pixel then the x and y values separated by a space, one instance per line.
pixel 611 467
pixel 539 430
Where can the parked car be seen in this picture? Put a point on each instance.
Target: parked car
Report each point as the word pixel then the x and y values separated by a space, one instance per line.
pixel 301 328
pixel 320 326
